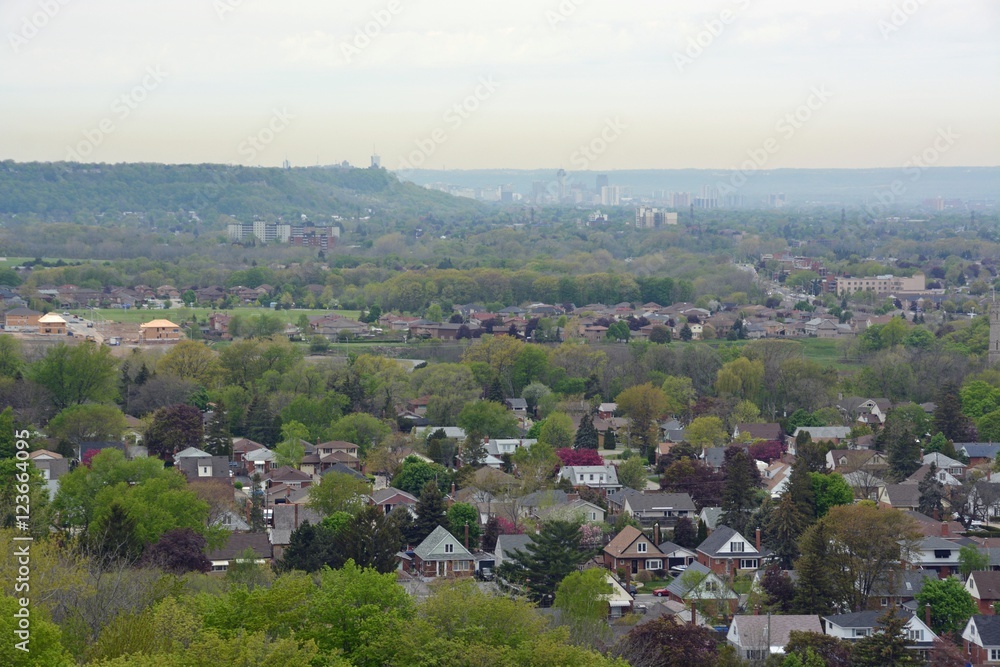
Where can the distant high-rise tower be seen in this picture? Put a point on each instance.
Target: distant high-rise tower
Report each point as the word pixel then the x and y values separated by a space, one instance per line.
pixel 994 333
pixel 376 161
pixel 602 181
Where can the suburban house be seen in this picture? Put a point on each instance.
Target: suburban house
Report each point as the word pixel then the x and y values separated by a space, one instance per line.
pixel 978 453
pixel 243 445
pixel 259 461
pixel 442 555
pixel 632 551
pixel 665 508
pixel 518 406
pixel 942 476
pixel 507 545
pixel 204 467
pixel 759 637
pixel 858 625
pixel 900 496
pixel 596 477
pixel 159 331
pixel 52 324
pixel 752 432
pixel 984 587
pixel 390 497
pixel 676 556
pixel 236 546
pixel 946 463
pixel 21 319
pixel 849 460
pixel 937 554
pixel 897 588
pixel 834 434
pixel 725 551
pixel 572 510
pixel 981 638
pixel 286 519
pixel 703 588
pixel 619 600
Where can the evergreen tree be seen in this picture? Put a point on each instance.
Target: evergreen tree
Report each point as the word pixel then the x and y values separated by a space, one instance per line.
pixel 113 539
pixel 800 489
pixel 685 534
pixel 886 647
pixel 549 556
pixel 218 439
pixel 491 534
pixel 931 494
pixel 308 549
pixel 702 531
pixel 474 451
pixel 948 416
pixel 610 441
pixel 903 453
pixel 586 434
pixel 430 512
pixel 261 425
pixel 783 529
pixel 370 539
pixel 495 391
pixel 814 589
pixel 739 493
pixel 257 523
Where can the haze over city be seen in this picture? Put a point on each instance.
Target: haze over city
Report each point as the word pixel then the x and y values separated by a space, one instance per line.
pixel 523 84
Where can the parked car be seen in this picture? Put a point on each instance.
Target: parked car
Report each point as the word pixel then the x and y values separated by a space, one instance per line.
pixel 661 592
pixel 485 574
pixel 632 590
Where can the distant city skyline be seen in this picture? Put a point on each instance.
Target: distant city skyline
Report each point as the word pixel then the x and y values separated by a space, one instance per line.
pixel 583 85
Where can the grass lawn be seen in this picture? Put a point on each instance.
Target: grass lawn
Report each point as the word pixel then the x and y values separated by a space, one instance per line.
pixel 824 351
pixel 134 316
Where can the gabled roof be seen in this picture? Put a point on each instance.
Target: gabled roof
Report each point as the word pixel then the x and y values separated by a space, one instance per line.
pixel 762 431
pixel 977 450
pixel 903 495
pixel 722 536
pixel 824 432
pixel 683 585
pixel 508 544
pixel 668 548
pixel 987 629
pixel 191 452
pixel 775 628
pixel 240 542
pixel 287 473
pixel 382 495
pixel 427 549
pixel 942 461
pixel 158 324
pixel 644 502
pixel 987 584
pixel 624 542
pixel 865 619
pixel 903 583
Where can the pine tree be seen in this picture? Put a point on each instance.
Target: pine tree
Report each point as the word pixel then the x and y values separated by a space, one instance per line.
pixel 886 647
pixel 218 439
pixel 783 529
pixel 549 556
pixel 430 512
pixel 491 534
pixel 904 454
pixel 260 422
pixel 114 539
pixel 800 490
pixel 495 391
pixel 702 531
pixel 685 534
pixel 586 434
pixel 948 417
pixel 610 441
pixel 739 494
pixel 931 494
pixel 814 588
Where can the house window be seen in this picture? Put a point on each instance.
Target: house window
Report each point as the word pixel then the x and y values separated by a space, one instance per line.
pixel 994 654
pixel 915 635
pixel 462 565
pixel 862 632
pixel 641 547
pixel 748 563
pixel 884 602
pixel 449 548
pixel 220 568
pixel 756 654
pixel 942 553
pixel 736 547
pixel 591 478
pixel 654 564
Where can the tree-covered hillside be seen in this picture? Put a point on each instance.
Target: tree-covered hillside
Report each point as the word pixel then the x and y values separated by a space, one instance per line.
pixel 165 194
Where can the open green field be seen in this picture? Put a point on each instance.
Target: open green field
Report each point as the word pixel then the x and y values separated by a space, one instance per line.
pixel 133 316
pixel 824 351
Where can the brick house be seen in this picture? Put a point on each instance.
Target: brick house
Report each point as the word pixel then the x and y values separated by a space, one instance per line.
pixel 981 638
pixel 984 587
pixel 161 331
pixel 633 551
pixel 725 552
pixel 442 555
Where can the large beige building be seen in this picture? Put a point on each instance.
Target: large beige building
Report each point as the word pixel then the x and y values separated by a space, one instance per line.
pixel 159 331
pixel 882 284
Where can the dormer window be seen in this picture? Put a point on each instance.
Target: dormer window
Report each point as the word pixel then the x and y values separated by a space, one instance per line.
pixel 641 547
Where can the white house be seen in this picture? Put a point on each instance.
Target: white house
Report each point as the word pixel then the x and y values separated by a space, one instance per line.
pixel 758 637
pixel 596 477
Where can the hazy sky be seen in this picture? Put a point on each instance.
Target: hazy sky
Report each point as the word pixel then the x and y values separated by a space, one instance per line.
pixel 518 84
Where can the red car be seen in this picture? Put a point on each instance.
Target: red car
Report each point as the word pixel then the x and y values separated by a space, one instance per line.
pixel 661 592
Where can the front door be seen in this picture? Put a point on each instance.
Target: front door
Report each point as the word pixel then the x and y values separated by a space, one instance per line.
pixel 635 566
pixel 442 568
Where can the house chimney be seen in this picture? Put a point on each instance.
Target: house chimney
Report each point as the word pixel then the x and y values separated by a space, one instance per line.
pixel 656 533
pixel 945 531
pixel 466 535
pixel 927 615
pixel 757 541
pixel 756 610
pixel 694 621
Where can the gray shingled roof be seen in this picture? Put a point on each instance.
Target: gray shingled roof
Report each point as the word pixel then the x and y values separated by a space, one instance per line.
pixel 864 619
pixel 988 629
pixel 719 538
pixel 644 502
pixel 426 548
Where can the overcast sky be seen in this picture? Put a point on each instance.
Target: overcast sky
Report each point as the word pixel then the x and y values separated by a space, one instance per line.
pixel 640 83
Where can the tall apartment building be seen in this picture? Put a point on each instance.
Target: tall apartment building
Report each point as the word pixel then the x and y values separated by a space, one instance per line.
pixel 650 218
pixel 881 284
pixel 611 195
pixel 265 232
